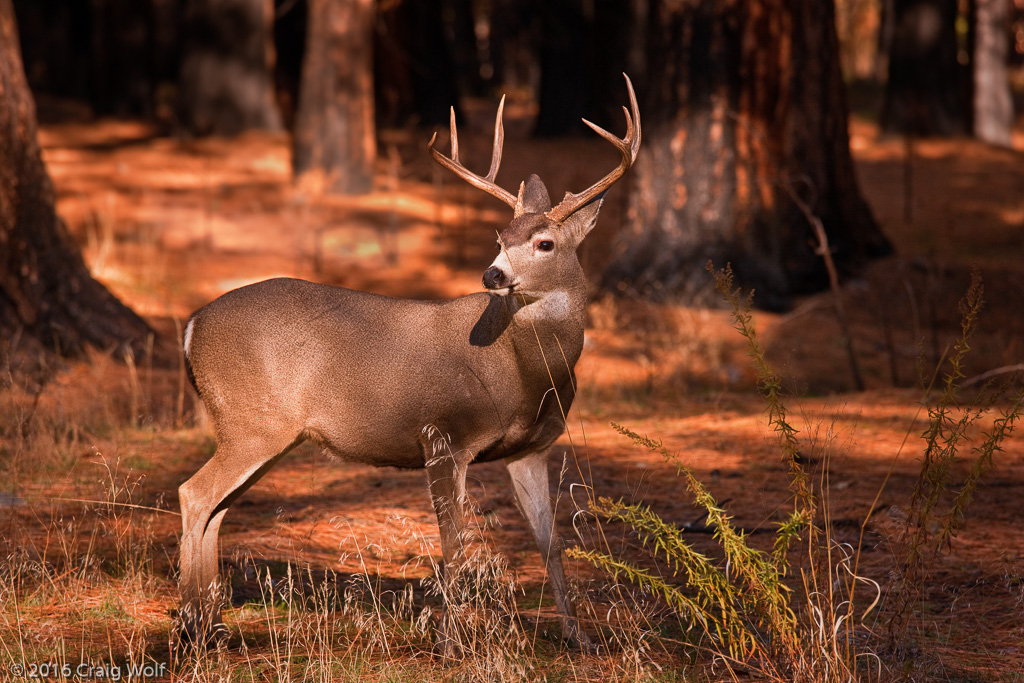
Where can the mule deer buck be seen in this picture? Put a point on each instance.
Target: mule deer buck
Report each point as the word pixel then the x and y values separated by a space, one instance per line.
pixel 400 383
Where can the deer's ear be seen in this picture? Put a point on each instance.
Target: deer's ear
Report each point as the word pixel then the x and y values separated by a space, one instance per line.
pixel 580 223
pixel 533 197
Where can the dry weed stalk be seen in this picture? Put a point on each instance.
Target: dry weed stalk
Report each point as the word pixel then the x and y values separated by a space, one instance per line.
pixel 939 502
pixel 745 612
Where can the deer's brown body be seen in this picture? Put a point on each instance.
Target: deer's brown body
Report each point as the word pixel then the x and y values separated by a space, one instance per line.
pixel 364 374
pixel 400 383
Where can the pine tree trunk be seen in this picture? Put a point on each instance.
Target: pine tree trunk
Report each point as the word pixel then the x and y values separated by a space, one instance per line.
pixel 123 56
pixel 334 132
pixel 48 301
pixel 227 67
pixel 993 101
pixel 616 31
pixel 745 132
pixel 564 67
pixel 926 92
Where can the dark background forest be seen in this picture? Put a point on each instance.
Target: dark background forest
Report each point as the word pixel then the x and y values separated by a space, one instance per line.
pixel 746 104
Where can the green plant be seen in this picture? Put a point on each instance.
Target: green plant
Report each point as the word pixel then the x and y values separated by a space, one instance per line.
pixel 942 494
pixel 748 603
pixel 742 602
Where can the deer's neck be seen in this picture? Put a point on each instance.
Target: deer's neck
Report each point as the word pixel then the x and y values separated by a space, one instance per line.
pixel 555 320
pixel 552 324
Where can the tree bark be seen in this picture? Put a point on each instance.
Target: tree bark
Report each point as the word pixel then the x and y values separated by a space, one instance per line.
pixel 585 47
pixel 227 67
pixel 123 54
pixel 417 75
pixel 926 93
pixel 993 101
pixel 745 131
pixel 48 301
pixel 57 46
pixel 334 130
pixel 616 31
pixel 115 54
pixel 564 67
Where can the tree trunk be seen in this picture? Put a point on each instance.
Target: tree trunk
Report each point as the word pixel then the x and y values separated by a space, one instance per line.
pixel 114 54
pixel 464 48
pixel 417 74
pixel 334 131
pixel 227 67
pixel 123 53
pixel 57 46
pixel 290 22
pixel 745 133
pixel 585 48
pixel 993 102
pixel 48 300
pixel 564 67
pixel 616 30
pixel 926 90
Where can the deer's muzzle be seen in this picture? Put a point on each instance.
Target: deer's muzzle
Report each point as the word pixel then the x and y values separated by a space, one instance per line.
pixel 495 278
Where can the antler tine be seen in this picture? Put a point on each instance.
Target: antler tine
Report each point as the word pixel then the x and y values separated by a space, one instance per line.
pixel 453 164
pixel 627 146
pixel 499 141
pixel 453 135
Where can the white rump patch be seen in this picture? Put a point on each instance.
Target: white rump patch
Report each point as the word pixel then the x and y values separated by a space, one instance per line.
pixel 188 336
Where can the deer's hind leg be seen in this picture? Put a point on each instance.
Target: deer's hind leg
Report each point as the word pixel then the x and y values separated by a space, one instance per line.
pixel 205 497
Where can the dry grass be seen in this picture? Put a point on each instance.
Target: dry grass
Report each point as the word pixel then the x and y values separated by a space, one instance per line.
pixel 88 569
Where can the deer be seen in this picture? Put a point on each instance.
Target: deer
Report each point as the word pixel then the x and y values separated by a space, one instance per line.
pixel 392 382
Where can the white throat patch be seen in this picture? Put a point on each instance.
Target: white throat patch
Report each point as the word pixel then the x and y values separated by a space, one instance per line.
pixel 553 306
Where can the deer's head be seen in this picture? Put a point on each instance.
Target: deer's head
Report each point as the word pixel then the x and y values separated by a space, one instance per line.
pixel 538 248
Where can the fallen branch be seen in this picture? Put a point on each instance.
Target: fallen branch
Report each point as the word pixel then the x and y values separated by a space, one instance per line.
pixel 1006 369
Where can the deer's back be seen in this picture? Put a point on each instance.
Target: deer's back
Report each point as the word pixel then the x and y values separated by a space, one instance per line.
pixel 359 372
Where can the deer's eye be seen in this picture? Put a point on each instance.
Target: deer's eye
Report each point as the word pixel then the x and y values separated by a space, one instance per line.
pixel 545 245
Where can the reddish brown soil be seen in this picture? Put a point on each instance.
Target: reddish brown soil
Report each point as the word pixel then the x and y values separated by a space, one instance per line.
pixel 170 224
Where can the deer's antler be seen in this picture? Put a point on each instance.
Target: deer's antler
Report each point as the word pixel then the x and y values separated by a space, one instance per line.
pixel 628 146
pixel 453 164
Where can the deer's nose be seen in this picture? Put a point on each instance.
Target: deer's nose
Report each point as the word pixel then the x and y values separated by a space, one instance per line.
pixel 494 278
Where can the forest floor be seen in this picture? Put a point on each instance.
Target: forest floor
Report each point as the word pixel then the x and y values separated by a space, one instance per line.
pixel 93 457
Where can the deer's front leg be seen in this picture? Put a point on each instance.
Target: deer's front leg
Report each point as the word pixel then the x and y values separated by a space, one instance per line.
pixel 530 481
pixel 446 476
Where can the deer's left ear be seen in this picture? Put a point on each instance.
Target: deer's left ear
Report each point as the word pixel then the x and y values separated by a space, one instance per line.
pixel 580 223
pixel 533 197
